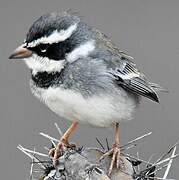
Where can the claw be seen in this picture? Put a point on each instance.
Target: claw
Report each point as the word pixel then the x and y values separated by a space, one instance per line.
pixel 62 145
pixel 108 153
pixel 51 152
pixel 58 150
pixel 115 160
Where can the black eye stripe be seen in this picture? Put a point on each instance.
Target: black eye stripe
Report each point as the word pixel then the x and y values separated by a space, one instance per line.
pixel 55 51
pixel 43 47
pixel 40 47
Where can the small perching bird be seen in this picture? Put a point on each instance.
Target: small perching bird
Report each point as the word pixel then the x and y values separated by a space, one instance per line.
pixel 82 76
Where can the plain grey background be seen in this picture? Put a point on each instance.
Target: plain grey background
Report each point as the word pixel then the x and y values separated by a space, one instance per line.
pixel 148 30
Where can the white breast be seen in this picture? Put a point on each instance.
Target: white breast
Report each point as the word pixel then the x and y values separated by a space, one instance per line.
pixel 99 111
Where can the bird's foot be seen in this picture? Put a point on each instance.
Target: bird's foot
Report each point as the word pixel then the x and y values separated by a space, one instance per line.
pixel 115 158
pixel 56 152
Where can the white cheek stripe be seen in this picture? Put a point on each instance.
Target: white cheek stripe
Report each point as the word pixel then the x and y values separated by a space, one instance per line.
pixel 38 64
pixel 55 37
pixel 82 51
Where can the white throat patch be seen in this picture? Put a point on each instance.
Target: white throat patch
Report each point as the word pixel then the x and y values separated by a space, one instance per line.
pixel 55 37
pixel 39 64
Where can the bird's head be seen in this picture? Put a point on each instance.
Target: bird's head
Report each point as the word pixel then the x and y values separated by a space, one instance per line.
pixel 54 39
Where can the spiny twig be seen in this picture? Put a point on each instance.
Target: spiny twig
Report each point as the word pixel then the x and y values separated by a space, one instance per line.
pixel 99 142
pixel 107 144
pixel 48 137
pixel 31 167
pixel 136 139
pixel 142 174
pixel 167 159
pixel 135 158
pixel 31 156
pixel 138 167
pixel 146 174
pixel 58 128
pixel 170 163
pixel 33 152
pixel 168 152
pixel 157 170
pixel 129 147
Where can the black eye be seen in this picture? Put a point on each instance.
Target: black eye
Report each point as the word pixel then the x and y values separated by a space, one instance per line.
pixel 43 47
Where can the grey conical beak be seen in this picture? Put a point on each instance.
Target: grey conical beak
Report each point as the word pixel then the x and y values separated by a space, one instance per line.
pixel 20 53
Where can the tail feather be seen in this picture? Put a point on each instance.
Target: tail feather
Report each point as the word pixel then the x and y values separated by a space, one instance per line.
pixel 158 88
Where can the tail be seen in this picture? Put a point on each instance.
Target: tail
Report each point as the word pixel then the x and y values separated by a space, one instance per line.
pixel 158 88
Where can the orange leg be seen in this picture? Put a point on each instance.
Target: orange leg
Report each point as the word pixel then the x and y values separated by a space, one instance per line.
pixel 115 151
pixel 63 144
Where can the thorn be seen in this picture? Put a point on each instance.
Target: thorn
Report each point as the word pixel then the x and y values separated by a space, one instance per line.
pixel 46 148
pixel 31 167
pixel 170 163
pixel 49 137
pixel 138 159
pixel 129 147
pixel 150 158
pixel 168 152
pixel 159 169
pixel 58 128
pixel 136 139
pixel 42 162
pixel 100 143
pixel 107 144
pixel 138 167
pixel 53 144
pixel 30 156
pixel 158 178
pixel 34 152
pixel 168 159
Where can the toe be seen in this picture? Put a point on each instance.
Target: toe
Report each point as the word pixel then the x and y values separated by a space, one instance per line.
pixel 112 161
pixel 108 153
pixel 55 161
pixel 115 160
pixel 56 156
pixel 118 157
pixel 58 151
pixel 51 152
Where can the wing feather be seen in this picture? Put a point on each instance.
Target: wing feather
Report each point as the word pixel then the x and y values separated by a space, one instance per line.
pixel 129 77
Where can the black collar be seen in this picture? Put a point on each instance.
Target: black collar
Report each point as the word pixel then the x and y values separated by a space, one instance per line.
pixel 46 79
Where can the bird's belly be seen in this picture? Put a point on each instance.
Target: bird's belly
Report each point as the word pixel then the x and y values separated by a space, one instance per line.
pixel 102 110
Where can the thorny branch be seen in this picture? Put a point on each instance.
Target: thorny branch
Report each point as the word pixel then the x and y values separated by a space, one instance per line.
pixel 82 163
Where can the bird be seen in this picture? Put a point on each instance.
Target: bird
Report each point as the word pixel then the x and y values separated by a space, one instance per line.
pixel 82 76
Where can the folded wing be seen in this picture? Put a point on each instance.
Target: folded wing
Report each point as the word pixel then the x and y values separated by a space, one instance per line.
pixel 129 77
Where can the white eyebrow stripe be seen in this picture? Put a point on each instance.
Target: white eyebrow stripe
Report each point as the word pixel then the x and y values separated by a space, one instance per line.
pixel 55 37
